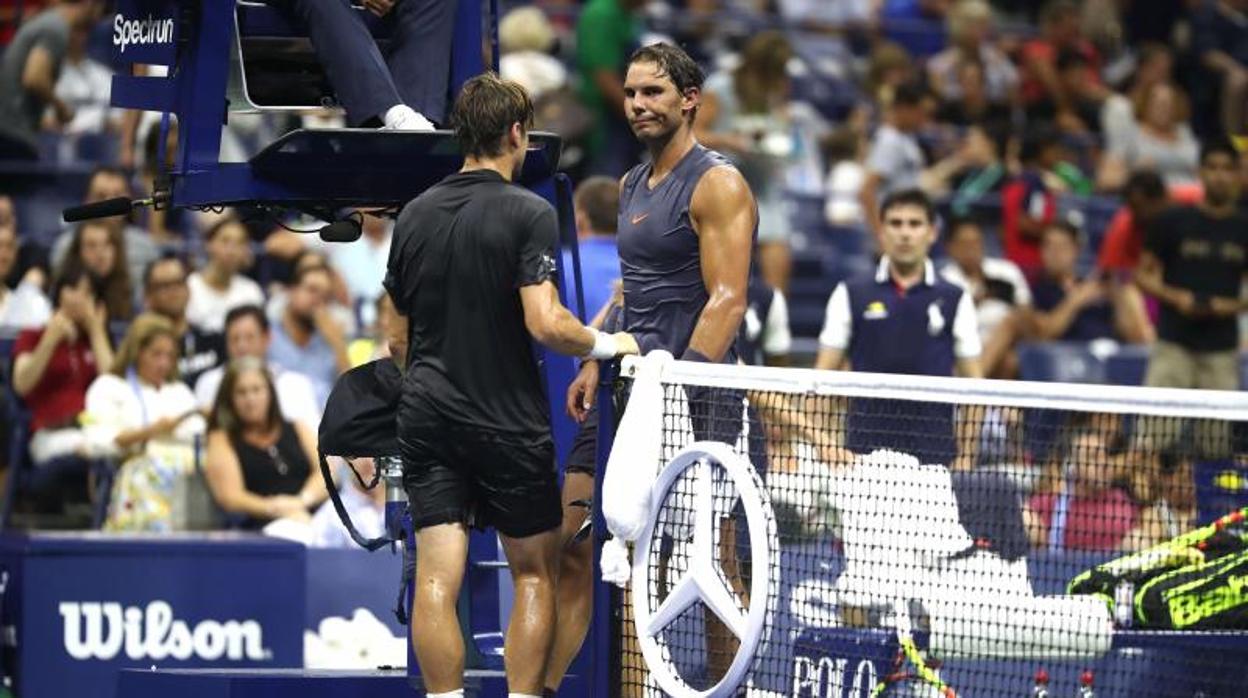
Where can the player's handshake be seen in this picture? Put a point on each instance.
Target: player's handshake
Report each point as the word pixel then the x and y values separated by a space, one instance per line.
pixel 610 346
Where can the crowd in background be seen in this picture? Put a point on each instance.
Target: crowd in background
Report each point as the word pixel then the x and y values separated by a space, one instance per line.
pixel 1052 134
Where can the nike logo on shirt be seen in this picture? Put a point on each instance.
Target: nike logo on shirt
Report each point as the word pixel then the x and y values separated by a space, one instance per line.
pixel 640 218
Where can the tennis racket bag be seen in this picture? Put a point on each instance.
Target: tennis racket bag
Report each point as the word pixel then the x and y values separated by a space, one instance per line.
pixel 1196 581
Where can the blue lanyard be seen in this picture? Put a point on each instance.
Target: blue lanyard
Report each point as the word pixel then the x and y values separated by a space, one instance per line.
pixel 133 379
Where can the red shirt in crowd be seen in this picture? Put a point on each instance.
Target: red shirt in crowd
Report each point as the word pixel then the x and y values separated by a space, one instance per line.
pixel 1025 195
pixel 1099 522
pixel 1043 51
pixel 61 393
pixel 1124 240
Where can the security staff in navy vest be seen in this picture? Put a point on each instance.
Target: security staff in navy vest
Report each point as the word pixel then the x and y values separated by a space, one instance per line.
pixel 905 319
pixel 687 226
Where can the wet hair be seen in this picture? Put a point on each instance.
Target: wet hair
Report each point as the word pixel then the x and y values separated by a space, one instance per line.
pixel 484 112
pixel 673 62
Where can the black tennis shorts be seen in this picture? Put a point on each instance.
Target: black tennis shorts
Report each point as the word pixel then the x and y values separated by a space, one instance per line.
pixel 478 477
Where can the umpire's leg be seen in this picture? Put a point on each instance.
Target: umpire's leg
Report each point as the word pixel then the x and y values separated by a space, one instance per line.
pixel 420 54
pixel 350 57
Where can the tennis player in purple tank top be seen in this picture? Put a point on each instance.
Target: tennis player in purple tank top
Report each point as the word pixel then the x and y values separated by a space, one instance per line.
pixel 686 229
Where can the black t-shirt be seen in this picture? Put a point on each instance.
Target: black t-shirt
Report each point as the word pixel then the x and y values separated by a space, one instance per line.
pixel 201 351
pixel 1094 321
pixel 460 254
pixel 1207 256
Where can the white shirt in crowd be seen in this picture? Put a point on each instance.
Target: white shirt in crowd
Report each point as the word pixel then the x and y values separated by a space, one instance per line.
pixel 85 86
pixel 295 396
pixel 995 304
pixel 897 158
pixel 838 322
pixel 208 307
pixel 369 518
pixel 115 404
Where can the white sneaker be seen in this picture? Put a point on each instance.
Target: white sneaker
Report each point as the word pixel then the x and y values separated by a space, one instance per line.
pixel 401 117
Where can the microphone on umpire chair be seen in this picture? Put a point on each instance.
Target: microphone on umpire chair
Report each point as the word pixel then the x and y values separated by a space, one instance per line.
pixel 107 208
pixel 347 230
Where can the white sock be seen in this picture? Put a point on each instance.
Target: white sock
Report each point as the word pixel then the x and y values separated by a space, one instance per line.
pixel 457 693
pixel 401 117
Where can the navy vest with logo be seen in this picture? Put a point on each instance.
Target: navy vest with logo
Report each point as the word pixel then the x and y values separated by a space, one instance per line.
pixel 659 259
pixel 907 332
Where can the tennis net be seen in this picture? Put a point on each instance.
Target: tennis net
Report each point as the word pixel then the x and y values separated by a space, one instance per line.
pixel 841 534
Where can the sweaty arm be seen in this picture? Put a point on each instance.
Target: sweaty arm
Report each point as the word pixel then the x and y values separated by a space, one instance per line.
pixel 555 327
pixel 723 214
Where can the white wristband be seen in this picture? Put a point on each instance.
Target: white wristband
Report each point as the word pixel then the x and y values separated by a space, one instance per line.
pixel 604 346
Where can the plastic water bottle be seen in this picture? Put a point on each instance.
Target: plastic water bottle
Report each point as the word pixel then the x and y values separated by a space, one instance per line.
pixel 1124 604
pixel 1085 684
pixel 391 468
pixel 1041 689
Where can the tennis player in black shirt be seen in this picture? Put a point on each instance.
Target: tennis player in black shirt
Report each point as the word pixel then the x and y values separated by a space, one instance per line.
pixel 472 270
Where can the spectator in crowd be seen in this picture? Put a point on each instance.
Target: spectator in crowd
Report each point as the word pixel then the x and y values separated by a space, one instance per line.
pixel 362 264
pixel 1161 140
pixel 744 116
pixel 985 170
pixel 1027 204
pixel 53 366
pixel 23 307
pixel 31 264
pixel 606 34
pixel 259 464
pixel 84 86
pixel 110 183
pixel 1144 197
pixel 100 249
pixel 889 67
pixel 339 297
pixel 997 287
pixel 1193 262
pixel 843 151
pixel 525 40
pixel 367 509
pixel 220 286
pixel 970 44
pixel 1059 33
pixel 140 413
pixel 1085 511
pixel 247 335
pixel 972 105
pixel 1077 112
pixel 165 293
pixel 1220 41
pixel 596 204
pixel 1068 309
pixel 307 338
pixel 1154 66
pixel 29 70
pixel 895 161
pixel 905 319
